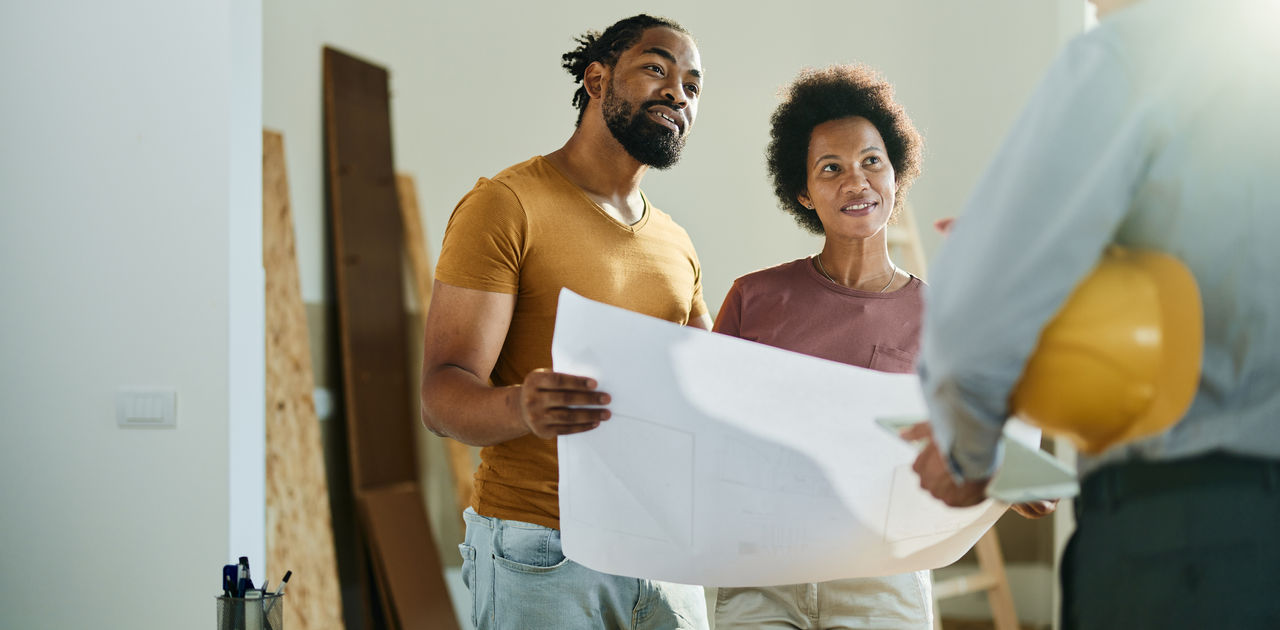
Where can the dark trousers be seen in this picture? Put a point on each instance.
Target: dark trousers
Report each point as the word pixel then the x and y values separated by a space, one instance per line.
pixel 1192 543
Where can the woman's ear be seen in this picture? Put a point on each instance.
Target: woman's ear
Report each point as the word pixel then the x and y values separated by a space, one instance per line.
pixel 803 198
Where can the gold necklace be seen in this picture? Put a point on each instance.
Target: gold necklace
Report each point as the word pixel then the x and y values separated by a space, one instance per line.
pixel 892 276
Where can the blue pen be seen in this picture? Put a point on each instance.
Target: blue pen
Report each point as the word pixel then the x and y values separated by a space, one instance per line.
pixel 230 577
pixel 245 583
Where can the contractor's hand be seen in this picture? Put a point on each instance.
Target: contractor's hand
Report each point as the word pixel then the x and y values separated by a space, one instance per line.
pixel 551 403
pixel 936 477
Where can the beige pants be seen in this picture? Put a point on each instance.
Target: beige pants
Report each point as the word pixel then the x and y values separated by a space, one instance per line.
pixel 894 602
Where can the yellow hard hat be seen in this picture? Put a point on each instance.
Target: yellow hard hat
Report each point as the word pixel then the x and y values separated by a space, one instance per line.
pixel 1121 360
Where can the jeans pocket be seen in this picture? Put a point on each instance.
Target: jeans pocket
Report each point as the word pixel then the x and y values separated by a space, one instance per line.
pixel 535 585
pixel 533 569
pixel 469 577
pixel 533 597
pixel 528 548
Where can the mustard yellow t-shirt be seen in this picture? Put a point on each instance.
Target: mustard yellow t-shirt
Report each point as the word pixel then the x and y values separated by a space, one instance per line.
pixel 529 232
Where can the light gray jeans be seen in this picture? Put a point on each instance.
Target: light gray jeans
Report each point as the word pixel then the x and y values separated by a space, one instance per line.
pixel 519 579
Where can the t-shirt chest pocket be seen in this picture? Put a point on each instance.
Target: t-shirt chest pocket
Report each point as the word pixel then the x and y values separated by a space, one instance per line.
pixel 889 359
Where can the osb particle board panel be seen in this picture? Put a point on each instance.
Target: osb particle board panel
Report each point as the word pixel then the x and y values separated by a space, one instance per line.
pixel 462 465
pixel 299 534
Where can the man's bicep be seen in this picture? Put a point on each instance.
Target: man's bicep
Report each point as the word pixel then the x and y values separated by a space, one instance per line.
pixel 466 328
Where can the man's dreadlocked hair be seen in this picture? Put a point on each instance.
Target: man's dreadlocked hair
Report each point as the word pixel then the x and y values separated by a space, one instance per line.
pixel 606 48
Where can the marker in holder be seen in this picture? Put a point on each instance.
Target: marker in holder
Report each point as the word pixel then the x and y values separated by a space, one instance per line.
pixel 255 611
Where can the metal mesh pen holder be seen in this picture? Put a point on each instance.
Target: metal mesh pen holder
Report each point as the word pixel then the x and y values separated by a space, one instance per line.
pixel 239 613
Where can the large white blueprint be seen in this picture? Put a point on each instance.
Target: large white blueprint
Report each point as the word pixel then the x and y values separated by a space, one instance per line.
pixel 730 463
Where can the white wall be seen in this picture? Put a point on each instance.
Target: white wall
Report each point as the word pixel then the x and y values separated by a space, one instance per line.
pixel 477 87
pixel 130 256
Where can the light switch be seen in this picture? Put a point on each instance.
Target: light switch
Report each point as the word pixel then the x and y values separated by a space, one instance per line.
pixel 146 408
pixel 323 400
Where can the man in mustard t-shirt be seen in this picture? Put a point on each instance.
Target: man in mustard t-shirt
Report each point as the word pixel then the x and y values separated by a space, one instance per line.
pixel 573 218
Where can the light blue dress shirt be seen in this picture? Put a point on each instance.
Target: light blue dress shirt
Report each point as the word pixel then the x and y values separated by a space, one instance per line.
pixel 1158 129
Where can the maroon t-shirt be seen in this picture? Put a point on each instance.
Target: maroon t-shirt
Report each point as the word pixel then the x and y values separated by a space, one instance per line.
pixel 794 307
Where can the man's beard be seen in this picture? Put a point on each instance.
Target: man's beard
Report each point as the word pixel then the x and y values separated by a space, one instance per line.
pixel 646 141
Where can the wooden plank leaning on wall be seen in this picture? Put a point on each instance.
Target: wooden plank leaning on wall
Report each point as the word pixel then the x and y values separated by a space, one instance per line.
pixel 369 273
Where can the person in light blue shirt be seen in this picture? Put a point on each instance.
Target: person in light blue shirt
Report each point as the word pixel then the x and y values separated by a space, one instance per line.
pixel 1159 129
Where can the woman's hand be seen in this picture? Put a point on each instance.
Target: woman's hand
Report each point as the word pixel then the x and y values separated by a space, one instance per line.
pixel 1035 509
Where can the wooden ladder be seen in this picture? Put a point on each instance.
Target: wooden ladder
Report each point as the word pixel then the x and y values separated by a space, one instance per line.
pixel 989 577
pixel 905 248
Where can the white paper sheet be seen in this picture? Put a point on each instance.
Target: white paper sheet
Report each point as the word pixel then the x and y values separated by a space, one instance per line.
pixel 730 463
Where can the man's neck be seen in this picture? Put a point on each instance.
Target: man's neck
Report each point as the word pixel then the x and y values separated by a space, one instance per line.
pixel 593 160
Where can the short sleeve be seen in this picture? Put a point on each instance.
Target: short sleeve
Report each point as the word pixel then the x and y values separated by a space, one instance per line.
pixel 697 305
pixel 729 319
pixel 484 243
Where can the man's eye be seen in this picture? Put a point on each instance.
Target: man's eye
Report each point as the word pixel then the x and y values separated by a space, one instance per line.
pixel 693 88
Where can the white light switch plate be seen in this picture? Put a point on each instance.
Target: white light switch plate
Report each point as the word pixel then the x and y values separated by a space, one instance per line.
pixel 146 408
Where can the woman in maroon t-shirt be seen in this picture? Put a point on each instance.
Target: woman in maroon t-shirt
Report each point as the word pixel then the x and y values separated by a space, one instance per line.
pixel 842 156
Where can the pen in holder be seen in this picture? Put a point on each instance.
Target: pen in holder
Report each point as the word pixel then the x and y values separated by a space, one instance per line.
pixel 255 611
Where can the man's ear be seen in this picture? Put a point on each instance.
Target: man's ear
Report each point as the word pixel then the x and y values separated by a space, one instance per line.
pixel 594 79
